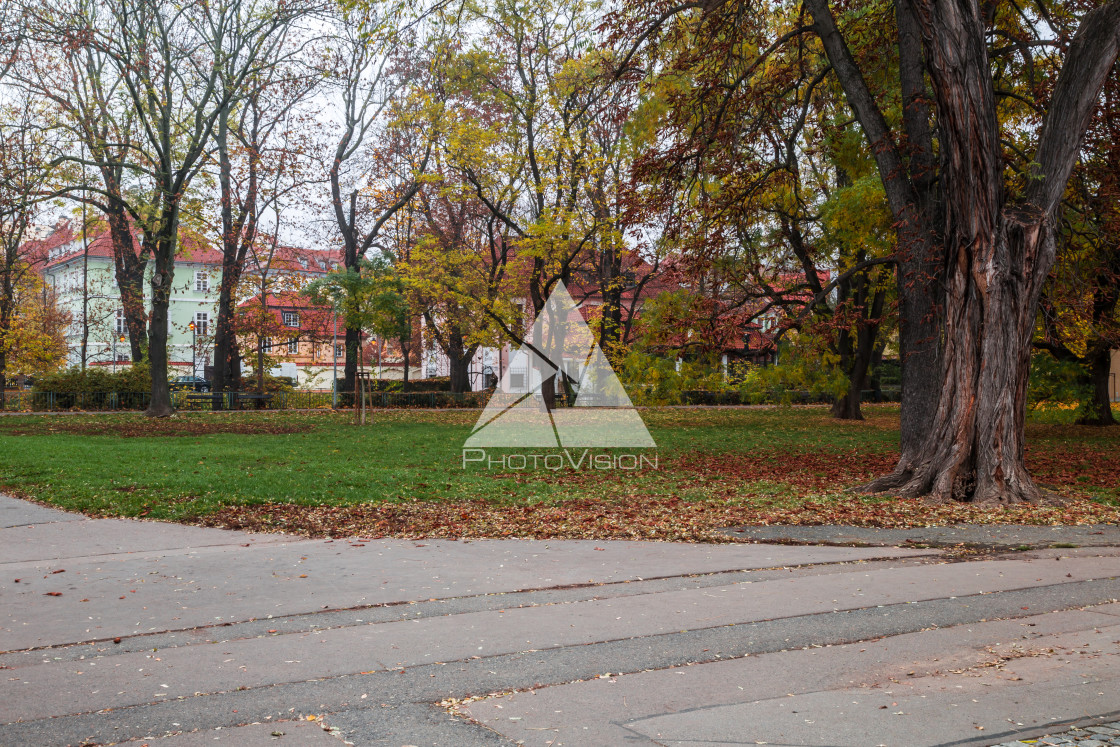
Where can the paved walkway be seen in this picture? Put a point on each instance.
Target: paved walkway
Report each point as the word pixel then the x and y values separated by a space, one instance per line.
pixel 114 630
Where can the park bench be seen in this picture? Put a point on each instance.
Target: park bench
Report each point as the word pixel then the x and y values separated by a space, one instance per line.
pixel 262 400
pixel 214 399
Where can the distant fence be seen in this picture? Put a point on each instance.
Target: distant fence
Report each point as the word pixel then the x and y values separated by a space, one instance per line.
pixel 321 400
pixel 294 400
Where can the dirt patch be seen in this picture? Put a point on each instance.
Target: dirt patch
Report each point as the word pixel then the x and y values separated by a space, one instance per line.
pixel 156 428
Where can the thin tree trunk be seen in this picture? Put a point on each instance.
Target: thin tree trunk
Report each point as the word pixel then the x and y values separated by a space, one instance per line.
pixel 1099 407
pixel 848 407
pixel 406 349
pixel 85 290
pixel 5 326
pixel 129 269
pixel 162 277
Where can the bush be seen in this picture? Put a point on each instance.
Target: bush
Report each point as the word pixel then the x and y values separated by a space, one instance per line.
pixel 1054 383
pixel 74 381
pixel 137 378
pixel 434 384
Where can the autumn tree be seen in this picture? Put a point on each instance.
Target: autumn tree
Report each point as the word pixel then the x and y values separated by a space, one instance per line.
pixel 552 169
pixel 89 103
pixel 379 154
pixel 1080 309
pixel 169 61
pixel 974 244
pixel 35 343
pixel 775 214
pixel 25 175
pixel 261 148
pixel 370 298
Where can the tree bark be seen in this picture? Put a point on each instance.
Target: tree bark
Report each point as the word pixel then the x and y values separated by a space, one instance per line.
pixel 920 251
pixel 162 276
pixel 998 254
pixel 912 193
pixel 5 326
pixel 859 355
pixel 459 356
pixel 129 268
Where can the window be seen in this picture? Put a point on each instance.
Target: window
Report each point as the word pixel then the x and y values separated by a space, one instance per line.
pixel 293 345
pixel 291 319
pixel 121 326
pixel 201 281
pixel 339 351
pixel 266 344
pixel 202 324
pixel 303 262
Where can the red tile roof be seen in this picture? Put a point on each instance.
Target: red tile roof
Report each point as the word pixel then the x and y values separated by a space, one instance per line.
pixel 192 249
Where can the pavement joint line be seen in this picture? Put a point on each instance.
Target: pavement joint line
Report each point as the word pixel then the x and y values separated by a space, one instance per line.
pixel 687 649
pixel 143 554
pixel 270 622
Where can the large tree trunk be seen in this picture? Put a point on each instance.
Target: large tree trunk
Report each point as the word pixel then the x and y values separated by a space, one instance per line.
pixel 1099 407
pixel 164 272
pixel 975 449
pixel 459 360
pixel 237 235
pixel 997 254
pixel 920 252
pixel 610 289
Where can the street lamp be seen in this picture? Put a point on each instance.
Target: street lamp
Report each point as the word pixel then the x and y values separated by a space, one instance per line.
pixel 119 338
pixel 334 353
pixel 194 344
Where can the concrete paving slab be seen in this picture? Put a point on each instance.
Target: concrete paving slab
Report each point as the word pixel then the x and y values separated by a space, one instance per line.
pixel 96 540
pixel 130 595
pixel 17 513
pixel 199 649
pixel 980 706
pixel 737 701
pixel 173 673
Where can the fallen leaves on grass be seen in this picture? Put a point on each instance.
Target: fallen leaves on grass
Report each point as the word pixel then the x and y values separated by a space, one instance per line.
pixel 156 428
pixel 648 519
pixel 1059 465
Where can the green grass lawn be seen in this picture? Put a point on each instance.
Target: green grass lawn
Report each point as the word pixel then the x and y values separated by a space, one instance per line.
pixel 192 465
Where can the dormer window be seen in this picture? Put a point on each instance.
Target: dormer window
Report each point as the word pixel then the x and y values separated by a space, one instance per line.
pixel 303 262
